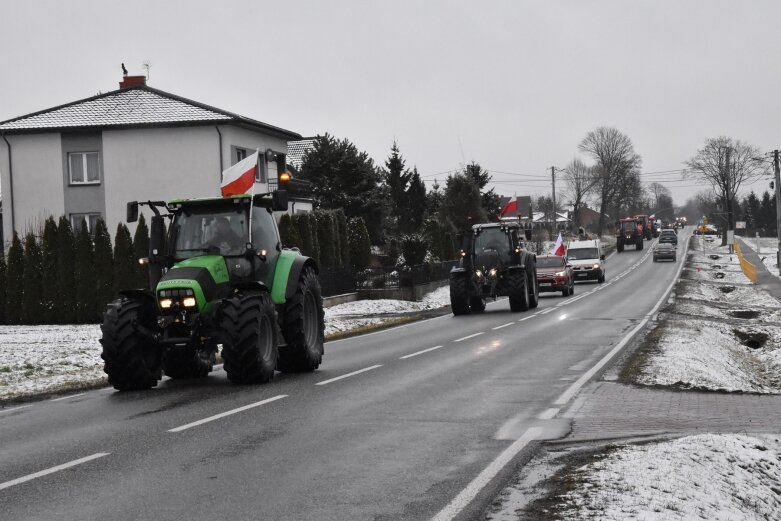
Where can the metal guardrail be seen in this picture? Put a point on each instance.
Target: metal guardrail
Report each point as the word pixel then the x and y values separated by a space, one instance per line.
pixel 748 268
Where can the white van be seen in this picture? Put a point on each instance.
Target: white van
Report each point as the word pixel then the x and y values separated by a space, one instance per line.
pixel 587 259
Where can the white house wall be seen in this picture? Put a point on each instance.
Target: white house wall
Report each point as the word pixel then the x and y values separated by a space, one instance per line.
pixel 37 181
pixel 158 164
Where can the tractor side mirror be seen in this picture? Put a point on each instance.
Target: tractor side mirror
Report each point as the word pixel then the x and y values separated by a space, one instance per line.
pixel 279 200
pixel 132 211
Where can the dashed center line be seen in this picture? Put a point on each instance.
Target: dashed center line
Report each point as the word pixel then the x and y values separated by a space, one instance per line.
pixel 66 397
pixel 52 470
pixel 469 336
pixel 503 325
pixel 349 374
pixel 419 352
pixel 227 413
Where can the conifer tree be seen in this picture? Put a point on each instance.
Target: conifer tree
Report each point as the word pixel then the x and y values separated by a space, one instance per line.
pixel 312 218
pixel 344 243
pixel 360 246
pixel 103 269
pixel 49 272
pixel 124 265
pixel 32 294
pixel 14 288
pixel 84 276
pixel 325 239
pixel 66 281
pixel 140 250
pixel 288 232
pixel 2 289
pixel 301 224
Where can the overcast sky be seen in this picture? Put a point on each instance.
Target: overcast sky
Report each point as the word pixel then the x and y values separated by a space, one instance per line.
pixel 513 85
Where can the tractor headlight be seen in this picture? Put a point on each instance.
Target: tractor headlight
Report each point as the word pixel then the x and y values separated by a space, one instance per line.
pixel 478 273
pixel 189 302
pixel 492 273
pixel 166 303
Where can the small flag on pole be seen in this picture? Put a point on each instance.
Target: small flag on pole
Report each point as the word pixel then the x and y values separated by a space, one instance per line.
pixel 240 178
pixel 558 248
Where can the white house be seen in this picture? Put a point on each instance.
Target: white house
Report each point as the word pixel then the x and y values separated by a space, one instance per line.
pixel 88 158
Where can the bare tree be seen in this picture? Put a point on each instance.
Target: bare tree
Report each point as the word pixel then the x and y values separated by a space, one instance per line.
pixel 615 159
pixel 725 164
pixel 580 181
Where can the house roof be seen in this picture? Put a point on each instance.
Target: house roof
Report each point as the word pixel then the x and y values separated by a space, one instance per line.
pixel 140 106
pixel 296 150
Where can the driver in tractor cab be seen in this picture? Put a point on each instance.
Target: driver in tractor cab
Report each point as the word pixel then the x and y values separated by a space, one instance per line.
pixel 224 237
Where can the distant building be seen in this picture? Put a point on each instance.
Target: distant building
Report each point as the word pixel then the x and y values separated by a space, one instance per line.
pixel 87 158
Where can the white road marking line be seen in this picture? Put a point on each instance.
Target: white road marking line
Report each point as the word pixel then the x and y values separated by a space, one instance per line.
pixel 547 414
pixel 546 311
pixel 580 382
pixel 527 318
pixel 503 325
pixel 227 413
pixel 66 397
pixel 348 375
pixel 52 470
pixel 482 479
pixel 419 352
pixel 468 337
pixel 14 408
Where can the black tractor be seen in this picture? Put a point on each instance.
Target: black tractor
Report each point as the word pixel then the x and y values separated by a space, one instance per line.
pixel 494 262
pixel 629 233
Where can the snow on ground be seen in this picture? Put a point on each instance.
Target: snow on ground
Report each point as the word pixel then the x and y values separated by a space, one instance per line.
pixel 720 334
pixel 42 359
pixel 708 476
pixel 704 354
pixel 45 359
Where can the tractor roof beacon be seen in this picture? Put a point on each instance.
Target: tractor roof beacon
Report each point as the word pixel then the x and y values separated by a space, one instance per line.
pixel 494 262
pixel 217 275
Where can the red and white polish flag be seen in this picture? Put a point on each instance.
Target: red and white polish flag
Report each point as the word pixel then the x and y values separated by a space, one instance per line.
pixel 558 248
pixel 510 208
pixel 240 178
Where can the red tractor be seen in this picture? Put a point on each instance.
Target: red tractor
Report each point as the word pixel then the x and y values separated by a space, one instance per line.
pixel 630 233
pixel 646 224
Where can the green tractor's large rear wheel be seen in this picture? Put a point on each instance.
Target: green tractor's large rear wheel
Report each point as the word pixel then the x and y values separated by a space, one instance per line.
pixel 303 326
pixel 132 357
pixel 189 361
pixel 249 337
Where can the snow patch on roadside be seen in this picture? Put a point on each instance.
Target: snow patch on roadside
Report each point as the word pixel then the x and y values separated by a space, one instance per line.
pixel 708 476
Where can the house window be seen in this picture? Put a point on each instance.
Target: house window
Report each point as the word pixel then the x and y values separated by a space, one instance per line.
pixel 88 219
pixel 84 168
pixel 241 153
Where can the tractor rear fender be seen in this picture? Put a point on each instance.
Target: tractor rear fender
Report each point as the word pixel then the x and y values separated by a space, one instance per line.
pixel 290 265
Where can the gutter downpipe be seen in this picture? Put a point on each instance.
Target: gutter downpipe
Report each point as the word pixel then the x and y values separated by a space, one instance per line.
pixel 217 128
pixel 10 181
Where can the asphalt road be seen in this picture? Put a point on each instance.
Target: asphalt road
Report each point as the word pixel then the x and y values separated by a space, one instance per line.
pixel 420 421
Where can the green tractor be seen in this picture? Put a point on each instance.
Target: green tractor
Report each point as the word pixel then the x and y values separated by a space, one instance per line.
pixel 218 275
pixel 494 262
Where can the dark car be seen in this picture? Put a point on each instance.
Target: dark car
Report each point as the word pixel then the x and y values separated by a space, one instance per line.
pixel 664 250
pixel 668 236
pixel 554 273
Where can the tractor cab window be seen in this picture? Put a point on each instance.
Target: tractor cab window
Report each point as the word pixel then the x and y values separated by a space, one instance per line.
pixel 203 229
pixel 264 232
pixel 492 239
pixel 628 226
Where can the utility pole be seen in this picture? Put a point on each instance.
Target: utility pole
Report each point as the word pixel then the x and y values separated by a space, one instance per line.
pixel 553 183
pixel 778 207
pixel 728 200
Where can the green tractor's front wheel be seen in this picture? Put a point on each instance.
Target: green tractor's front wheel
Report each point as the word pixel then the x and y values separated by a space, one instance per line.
pixel 249 337
pixel 303 326
pixel 132 357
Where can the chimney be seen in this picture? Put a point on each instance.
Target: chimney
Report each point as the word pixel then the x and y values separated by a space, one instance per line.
pixel 132 81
